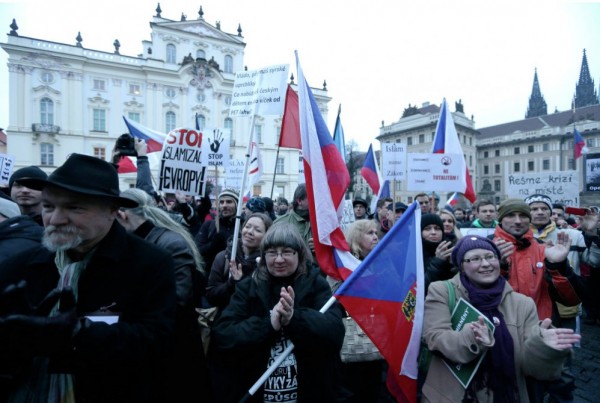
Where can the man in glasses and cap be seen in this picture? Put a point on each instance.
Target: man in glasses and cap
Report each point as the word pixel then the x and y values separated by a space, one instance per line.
pixel 90 314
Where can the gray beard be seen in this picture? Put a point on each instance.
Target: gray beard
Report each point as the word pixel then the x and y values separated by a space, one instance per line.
pixel 53 246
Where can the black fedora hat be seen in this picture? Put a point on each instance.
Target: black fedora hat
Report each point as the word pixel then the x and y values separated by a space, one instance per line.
pixel 85 175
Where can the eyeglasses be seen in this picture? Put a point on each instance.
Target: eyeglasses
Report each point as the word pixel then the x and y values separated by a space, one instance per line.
pixel 478 259
pixel 286 254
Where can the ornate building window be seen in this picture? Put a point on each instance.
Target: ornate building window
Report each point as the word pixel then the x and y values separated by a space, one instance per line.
pixel 46 111
pixel 46 154
pixel 421 138
pixel 228 124
pixel 280 166
pixel 200 54
pixel 517 167
pixel 99 85
pixel 228 64
pixel 497 185
pixel 170 92
pixel 99 122
pixel 530 148
pixel 497 168
pixel 47 77
pixel 546 147
pixel 517 150
pixel 201 122
pixel 135 116
pixel 409 141
pixel 486 170
pixel 100 152
pixel 530 166
pixel 546 165
pixel 497 153
pixel 170 121
pixel 134 89
pixel 171 54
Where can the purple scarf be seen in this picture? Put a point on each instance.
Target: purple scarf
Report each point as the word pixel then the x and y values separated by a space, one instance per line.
pixel 497 370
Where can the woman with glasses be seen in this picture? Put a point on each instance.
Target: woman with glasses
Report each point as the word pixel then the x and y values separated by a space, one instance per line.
pixel 278 305
pixel 227 272
pixel 519 346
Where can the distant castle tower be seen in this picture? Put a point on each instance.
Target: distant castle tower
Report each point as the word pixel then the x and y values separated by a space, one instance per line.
pixel 537 104
pixel 585 93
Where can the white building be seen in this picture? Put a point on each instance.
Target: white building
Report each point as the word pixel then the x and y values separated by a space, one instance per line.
pixel 65 98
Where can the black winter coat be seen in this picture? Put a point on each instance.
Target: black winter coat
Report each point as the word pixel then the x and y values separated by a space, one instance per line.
pixel 243 336
pixel 128 277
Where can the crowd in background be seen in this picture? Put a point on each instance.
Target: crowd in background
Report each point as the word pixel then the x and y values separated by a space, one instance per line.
pixel 525 264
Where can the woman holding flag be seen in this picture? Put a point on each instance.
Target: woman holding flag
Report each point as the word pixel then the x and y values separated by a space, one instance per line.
pixel 505 335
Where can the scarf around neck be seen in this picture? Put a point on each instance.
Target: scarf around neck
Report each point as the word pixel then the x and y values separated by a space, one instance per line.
pixel 497 371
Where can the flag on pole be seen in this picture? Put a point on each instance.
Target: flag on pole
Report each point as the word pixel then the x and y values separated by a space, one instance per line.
pixel 446 141
pixel 255 168
pixel 154 139
pixel 453 199
pixel 580 147
pixel 384 193
pixel 385 296
pixel 290 126
pixel 338 135
pixel 370 171
pixel 327 179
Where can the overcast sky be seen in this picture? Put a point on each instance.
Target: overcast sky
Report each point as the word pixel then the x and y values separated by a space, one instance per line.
pixel 377 56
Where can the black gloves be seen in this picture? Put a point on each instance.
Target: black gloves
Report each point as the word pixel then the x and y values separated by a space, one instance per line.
pixel 37 333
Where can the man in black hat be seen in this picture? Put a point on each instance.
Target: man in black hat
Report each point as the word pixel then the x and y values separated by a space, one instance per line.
pixel 89 315
pixel 29 200
pixel 360 209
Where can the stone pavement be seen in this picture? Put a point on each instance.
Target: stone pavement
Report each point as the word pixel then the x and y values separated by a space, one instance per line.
pixel 586 365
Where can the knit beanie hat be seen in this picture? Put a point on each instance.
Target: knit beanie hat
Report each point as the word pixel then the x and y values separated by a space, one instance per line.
pixel 513 206
pixel 27 172
pixel 230 193
pixel 539 198
pixel 470 242
pixel 8 208
pixel 430 218
pixel 256 205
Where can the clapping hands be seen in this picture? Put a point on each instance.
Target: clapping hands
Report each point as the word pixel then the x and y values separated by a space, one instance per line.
pixel 557 252
pixel 282 312
pixel 558 339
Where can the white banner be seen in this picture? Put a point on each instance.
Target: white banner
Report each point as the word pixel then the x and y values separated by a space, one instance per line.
pixel 439 172
pixel 393 166
pixel 301 178
pixel 181 162
pixel 259 92
pixel 561 187
pixel 235 173
pixel 215 147
pixel 7 163
pixel 348 217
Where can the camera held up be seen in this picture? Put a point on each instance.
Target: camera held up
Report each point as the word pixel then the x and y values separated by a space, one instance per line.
pixel 126 145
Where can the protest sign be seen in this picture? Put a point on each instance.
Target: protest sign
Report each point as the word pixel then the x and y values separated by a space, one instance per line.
pixel 7 163
pixel 348 217
pixel 561 187
pixel 442 172
pixel 393 165
pixel 259 92
pixel 215 147
pixel 181 166
pixel 234 174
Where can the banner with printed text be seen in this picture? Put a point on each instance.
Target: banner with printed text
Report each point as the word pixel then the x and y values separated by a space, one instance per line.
pixel 181 162
pixel 439 172
pixel 259 92
pixel 7 163
pixel 393 165
pixel 561 187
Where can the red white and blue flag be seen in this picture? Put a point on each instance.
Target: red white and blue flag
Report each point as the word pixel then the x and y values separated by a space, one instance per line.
pixel 579 147
pixel 452 200
pixel 370 171
pixel 154 140
pixel 385 296
pixel 290 125
pixel 327 179
pixel 446 141
pixel 338 135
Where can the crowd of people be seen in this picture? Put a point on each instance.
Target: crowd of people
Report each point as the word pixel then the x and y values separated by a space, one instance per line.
pixel 101 291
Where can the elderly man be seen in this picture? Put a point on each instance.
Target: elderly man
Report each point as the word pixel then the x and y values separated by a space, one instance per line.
pixel 29 200
pixel 90 315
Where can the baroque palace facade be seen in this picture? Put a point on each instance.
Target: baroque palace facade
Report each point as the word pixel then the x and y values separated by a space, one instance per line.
pixel 65 98
pixel 540 142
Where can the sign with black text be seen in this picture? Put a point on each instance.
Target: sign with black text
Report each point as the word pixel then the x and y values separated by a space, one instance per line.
pixel 7 163
pixel 562 187
pixel 393 165
pixel 442 172
pixel 259 92
pixel 181 162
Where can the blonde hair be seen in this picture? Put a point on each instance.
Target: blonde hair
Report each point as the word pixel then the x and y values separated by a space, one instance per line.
pixel 456 231
pixel 353 234
pixel 148 210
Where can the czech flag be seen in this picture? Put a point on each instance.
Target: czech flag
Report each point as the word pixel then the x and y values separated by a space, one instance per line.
pixel 327 179
pixel 385 296
pixel 370 172
pixel 452 200
pixel 446 142
pixel 290 125
pixel 579 147
pixel 154 140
